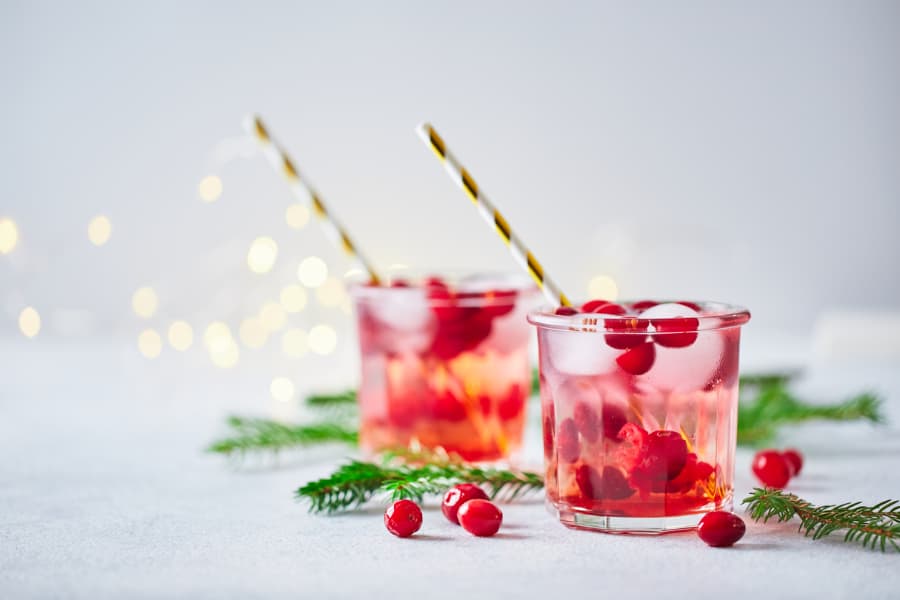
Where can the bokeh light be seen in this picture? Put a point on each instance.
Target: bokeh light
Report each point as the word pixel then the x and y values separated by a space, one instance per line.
pixel 149 343
pixel 330 293
pixel 145 302
pixel 296 216
pixel 253 333
pixel 262 254
pixel 217 336
pixel 9 235
pixel 322 339
pixel 312 271
pixel 181 335
pixel 282 389
pixel 99 230
pixel 29 322
pixel 293 298
pixel 225 354
pixel 603 287
pixel 210 188
pixel 294 343
pixel 272 316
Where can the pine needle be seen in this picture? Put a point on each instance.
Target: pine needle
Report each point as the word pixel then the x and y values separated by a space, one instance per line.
pixel 251 434
pixel 874 527
pixel 355 483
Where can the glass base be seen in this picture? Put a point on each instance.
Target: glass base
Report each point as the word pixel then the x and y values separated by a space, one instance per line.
pixel 626 525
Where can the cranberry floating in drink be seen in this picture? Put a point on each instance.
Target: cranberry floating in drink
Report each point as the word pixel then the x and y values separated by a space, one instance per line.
pixel 639 405
pixel 445 364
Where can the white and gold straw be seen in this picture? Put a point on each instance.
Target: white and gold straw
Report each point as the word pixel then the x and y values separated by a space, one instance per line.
pixel 304 192
pixel 491 215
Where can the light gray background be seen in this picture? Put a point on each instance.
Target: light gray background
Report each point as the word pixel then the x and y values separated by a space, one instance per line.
pixel 740 151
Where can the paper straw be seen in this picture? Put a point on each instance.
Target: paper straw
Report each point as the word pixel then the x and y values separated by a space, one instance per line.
pixel 491 215
pixel 304 192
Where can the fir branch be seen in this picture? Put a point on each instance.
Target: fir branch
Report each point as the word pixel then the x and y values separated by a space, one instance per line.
pixel 773 405
pixel 356 482
pixel 251 434
pixel 345 398
pixel 876 526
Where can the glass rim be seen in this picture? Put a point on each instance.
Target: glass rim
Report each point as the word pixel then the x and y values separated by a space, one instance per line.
pixel 491 282
pixel 718 315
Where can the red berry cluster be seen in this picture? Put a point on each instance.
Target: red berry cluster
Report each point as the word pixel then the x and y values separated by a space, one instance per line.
pixel 460 327
pixel 632 334
pixel 464 504
pixel 775 468
pixel 658 461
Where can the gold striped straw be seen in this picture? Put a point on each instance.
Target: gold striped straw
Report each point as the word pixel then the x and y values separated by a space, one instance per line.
pixel 304 192
pixel 489 212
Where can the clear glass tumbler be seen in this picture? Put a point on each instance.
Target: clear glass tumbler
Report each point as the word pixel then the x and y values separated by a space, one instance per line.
pixel 639 407
pixel 445 364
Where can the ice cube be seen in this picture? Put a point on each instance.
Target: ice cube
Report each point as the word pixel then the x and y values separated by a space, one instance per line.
pixel 510 332
pixel 579 353
pixel 669 310
pixel 687 368
pixel 404 318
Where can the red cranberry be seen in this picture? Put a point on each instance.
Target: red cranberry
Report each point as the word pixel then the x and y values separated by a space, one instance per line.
pixel 592 305
pixel 480 517
pixel 512 404
pixel 613 420
pixel 588 481
pixel 566 311
pixel 611 485
pixel 615 486
pixel 499 302
pixel 693 471
pixel 771 468
pixel 403 518
pixel 691 305
pixel 457 496
pixel 685 326
pixel 664 457
pixel 642 305
pixel 638 360
pixel 620 341
pixel 587 422
pixel 400 283
pixel 446 407
pixel 719 528
pixel 549 429
pixel 567 445
pixel 794 460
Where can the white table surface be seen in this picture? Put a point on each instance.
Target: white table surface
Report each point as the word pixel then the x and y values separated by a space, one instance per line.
pixel 105 492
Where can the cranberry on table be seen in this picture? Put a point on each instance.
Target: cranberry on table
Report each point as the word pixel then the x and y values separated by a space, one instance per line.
pixel 771 468
pixel 480 517
pixel 794 460
pixel 403 518
pixel 459 495
pixel 719 528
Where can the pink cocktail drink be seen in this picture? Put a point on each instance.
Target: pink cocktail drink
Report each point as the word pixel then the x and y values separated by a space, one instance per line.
pixel 445 365
pixel 639 407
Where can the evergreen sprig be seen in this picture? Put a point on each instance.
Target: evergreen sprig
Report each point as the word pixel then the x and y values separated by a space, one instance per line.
pixel 876 526
pixel 356 482
pixel 251 434
pixel 767 403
